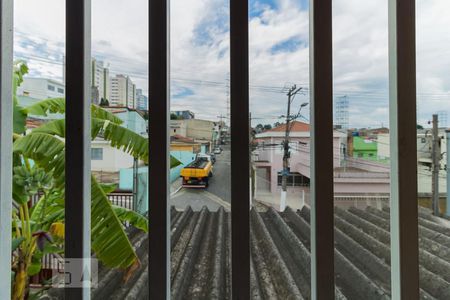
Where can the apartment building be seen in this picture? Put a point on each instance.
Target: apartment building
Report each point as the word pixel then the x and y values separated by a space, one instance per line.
pixel 100 80
pixel 141 100
pixel 41 88
pixel 123 91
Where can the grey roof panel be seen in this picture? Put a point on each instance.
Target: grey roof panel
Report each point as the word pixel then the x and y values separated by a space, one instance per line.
pixel 280 248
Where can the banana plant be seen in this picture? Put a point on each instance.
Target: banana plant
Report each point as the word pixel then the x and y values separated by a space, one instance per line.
pixel 39 166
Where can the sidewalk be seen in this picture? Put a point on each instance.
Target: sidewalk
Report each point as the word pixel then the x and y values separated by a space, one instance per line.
pixel 293 200
pixel 175 186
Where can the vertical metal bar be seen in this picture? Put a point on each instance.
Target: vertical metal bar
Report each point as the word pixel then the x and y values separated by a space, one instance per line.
pixel 403 140
pixel 6 130
pixel 447 134
pixel 240 158
pixel 159 212
pixel 78 139
pixel 321 87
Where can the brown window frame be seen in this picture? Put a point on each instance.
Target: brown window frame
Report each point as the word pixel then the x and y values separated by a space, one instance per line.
pixel 402 78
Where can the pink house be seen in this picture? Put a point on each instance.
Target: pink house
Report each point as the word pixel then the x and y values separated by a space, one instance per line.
pixel 353 177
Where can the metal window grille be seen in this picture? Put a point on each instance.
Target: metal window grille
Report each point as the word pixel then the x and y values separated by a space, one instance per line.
pixel 404 250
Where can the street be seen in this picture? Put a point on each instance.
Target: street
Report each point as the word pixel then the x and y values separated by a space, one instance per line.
pixel 218 192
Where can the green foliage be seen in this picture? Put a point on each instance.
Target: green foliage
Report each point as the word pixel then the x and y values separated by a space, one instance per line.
pixel 120 137
pixel 44 107
pixel 30 181
pixel 132 217
pixel 58 105
pixel 19 117
pixel 108 188
pixel 106 230
pixel 100 113
pixel 46 148
pixel 104 102
pixel 49 209
pixel 174 117
pixel 20 69
pixel 109 241
pixel 16 243
pixel 47 151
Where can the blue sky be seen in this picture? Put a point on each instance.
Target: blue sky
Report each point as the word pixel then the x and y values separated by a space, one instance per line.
pixel 278 52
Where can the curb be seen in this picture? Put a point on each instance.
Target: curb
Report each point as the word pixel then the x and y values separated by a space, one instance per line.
pixel 218 200
pixel 176 191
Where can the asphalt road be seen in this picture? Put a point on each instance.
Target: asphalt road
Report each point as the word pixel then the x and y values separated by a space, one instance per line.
pixel 218 192
pixel 220 183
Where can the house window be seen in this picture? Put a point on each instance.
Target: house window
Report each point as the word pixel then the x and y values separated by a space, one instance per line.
pixel 51 87
pixel 97 154
pixel 294 179
pixel 60 90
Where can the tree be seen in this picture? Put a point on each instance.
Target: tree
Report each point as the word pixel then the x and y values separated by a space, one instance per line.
pixel 38 231
pixel 419 126
pixel 276 124
pixel 174 116
pixel 104 102
pixel 267 127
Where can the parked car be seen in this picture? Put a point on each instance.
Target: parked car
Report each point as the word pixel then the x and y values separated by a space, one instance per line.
pixel 217 151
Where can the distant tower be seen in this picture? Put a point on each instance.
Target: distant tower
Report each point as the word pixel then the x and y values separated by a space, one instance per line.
pixel 341 112
pixel 442 117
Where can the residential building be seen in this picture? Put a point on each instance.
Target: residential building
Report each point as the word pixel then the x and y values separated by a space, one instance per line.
pixel 123 91
pixel 424 144
pixel 353 176
pixel 183 114
pixel 182 148
pixel 108 160
pixel 181 143
pixel 200 129
pixel 178 127
pixel 131 118
pixel 141 100
pixel 41 88
pixel 364 147
pixel 100 80
pixel 194 128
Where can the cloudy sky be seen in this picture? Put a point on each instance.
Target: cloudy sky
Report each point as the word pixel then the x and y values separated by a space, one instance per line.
pixel 278 52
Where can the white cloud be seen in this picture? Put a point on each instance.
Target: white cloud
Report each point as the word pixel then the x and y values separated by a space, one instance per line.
pixel 278 51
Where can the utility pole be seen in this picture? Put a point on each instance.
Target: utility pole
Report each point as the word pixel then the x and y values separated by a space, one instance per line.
pixel 447 134
pixel 219 136
pixel 291 93
pixel 135 184
pixel 435 163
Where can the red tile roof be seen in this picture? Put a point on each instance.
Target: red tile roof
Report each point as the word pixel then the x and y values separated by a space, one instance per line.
pixel 181 139
pixel 295 126
pixel 33 123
